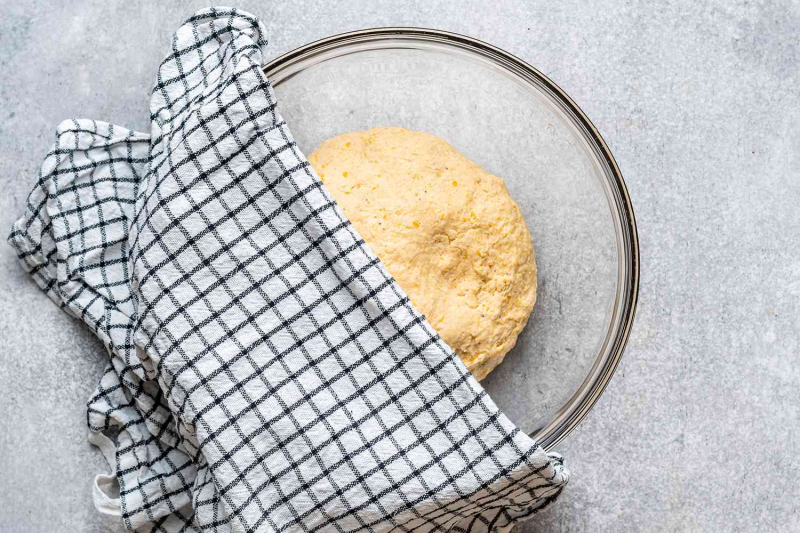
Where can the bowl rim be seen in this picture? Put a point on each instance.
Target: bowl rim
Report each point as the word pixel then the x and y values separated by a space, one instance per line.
pixel 590 390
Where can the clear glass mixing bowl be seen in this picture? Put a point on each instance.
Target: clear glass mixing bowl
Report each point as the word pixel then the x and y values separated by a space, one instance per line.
pixel 514 122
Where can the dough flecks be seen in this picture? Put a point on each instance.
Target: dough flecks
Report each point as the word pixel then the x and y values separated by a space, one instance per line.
pixel 447 230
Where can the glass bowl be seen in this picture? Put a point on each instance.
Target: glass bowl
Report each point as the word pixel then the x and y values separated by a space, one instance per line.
pixel 516 123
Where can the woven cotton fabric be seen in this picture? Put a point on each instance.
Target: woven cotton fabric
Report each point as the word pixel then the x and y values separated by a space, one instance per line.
pixel 266 372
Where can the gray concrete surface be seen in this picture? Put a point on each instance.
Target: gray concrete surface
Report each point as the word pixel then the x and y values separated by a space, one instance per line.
pixel 700 103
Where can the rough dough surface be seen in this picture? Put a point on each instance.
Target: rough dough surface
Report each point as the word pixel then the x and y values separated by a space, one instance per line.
pixel 447 230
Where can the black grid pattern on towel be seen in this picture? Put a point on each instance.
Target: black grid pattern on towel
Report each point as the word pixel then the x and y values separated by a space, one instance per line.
pixel 267 373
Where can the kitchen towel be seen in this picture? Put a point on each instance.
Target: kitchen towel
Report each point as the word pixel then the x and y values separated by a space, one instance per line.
pixel 266 372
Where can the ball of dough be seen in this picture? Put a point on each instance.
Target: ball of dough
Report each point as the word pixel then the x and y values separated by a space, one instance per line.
pixel 447 230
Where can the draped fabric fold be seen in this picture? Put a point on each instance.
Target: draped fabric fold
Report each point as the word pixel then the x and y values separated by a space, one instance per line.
pixel 266 372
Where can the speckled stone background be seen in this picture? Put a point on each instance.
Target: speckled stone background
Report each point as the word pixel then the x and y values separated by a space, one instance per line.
pixel 700 103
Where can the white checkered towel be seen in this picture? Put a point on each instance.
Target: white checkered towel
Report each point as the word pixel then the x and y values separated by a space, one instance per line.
pixel 267 373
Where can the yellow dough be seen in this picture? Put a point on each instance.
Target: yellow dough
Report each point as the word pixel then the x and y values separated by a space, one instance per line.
pixel 447 230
